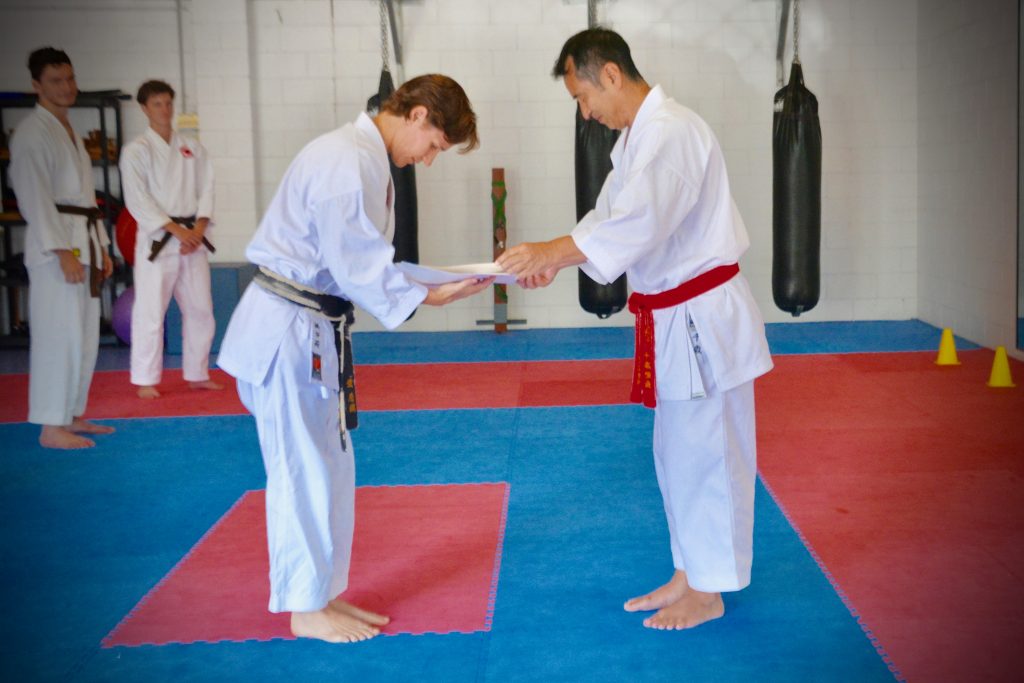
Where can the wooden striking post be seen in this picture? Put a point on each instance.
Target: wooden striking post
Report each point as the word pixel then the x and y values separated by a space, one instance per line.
pixel 498 195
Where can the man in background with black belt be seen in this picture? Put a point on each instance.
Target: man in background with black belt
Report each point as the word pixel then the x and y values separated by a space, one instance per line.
pixel 168 189
pixel 65 254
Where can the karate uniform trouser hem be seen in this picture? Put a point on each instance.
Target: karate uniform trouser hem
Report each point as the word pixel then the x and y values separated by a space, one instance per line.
pixel 705 459
pixel 187 279
pixel 310 495
pixel 64 323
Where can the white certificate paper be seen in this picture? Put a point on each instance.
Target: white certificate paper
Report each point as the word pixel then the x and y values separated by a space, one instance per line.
pixel 439 275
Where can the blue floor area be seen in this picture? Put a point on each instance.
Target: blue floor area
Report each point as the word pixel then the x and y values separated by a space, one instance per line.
pixel 87 534
pixel 617 342
pixel 372 348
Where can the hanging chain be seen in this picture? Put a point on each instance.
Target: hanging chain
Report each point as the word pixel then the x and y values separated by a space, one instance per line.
pixel 591 13
pixel 796 31
pixel 384 54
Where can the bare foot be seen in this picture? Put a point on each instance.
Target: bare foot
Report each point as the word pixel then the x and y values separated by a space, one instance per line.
pixel 208 384
pixel 693 609
pixel 54 436
pixel 672 591
pixel 339 622
pixel 359 613
pixel 85 427
pixel 148 392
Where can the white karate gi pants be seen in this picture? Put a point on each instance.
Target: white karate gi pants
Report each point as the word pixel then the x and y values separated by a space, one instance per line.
pixel 64 322
pixel 188 279
pixel 706 462
pixel 310 479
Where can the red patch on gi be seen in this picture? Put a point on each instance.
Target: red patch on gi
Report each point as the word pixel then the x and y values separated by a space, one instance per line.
pixel 186 152
pixel 427 556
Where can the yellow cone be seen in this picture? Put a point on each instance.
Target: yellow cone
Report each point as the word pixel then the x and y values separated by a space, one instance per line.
pixel 1000 376
pixel 947 349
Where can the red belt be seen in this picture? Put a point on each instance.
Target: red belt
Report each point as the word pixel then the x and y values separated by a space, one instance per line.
pixel 641 305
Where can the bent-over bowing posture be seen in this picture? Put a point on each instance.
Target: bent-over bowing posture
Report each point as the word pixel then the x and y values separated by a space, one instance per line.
pixel 666 218
pixel 324 244
pixel 65 254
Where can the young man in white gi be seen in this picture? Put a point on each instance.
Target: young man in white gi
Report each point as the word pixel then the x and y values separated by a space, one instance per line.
pixel 325 242
pixel 665 217
pixel 65 253
pixel 168 189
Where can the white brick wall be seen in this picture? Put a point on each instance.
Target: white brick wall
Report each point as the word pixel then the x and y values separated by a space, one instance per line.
pixel 967 176
pixel 268 75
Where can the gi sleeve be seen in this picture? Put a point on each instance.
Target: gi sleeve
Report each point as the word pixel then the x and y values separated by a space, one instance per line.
pixel 137 198
pixel 651 205
pixel 30 178
pixel 204 185
pixel 359 259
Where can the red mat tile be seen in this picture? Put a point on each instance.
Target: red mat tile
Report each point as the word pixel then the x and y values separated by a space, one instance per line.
pixel 427 556
pixel 907 480
pixel 427 386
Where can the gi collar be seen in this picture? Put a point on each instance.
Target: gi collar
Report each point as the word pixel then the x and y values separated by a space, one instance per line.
pixel 652 102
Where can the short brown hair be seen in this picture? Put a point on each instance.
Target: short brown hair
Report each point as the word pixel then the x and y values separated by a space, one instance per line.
pixel 448 108
pixel 154 87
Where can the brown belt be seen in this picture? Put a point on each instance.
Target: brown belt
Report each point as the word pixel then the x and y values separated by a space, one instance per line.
pixel 93 216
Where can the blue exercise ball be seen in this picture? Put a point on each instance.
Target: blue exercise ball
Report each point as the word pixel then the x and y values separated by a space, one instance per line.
pixel 121 317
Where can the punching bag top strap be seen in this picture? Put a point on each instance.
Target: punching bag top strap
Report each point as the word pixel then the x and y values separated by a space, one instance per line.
pixel 796 74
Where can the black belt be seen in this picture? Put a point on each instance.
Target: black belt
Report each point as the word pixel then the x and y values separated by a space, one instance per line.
pixel 341 313
pixel 185 221
pixel 92 215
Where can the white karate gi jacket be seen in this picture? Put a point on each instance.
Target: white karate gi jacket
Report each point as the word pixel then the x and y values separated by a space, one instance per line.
pixel 164 179
pixel 326 228
pixel 47 168
pixel 665 215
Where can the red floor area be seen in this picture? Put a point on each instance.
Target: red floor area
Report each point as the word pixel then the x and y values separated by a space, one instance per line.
pixel 379 387
pixel 433 550
pixel 906 478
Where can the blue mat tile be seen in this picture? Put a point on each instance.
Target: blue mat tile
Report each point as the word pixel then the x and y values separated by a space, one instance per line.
pixel 87 534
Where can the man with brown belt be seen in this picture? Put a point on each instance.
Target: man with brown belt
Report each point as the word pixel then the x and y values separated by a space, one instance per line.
pixel 666 217
pixel 65 253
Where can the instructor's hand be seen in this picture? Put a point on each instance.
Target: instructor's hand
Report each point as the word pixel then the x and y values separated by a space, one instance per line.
pixel 74 271
pixel 527 259
pixel 535 263
pixel 453 291
pixel 542 280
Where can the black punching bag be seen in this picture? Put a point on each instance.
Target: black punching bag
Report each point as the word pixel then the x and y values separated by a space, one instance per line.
pixel 405 241
pixel 796 215
pixel 594 144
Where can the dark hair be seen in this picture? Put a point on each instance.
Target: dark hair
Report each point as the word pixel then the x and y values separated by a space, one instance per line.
pixel 448 108
pixel 591 50
pixel 154 87
pixel 44 57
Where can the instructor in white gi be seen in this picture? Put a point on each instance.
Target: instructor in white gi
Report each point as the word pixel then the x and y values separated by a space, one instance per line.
pixel 51 173
pixel 168 189
pixel 324 242
pixel 666 218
